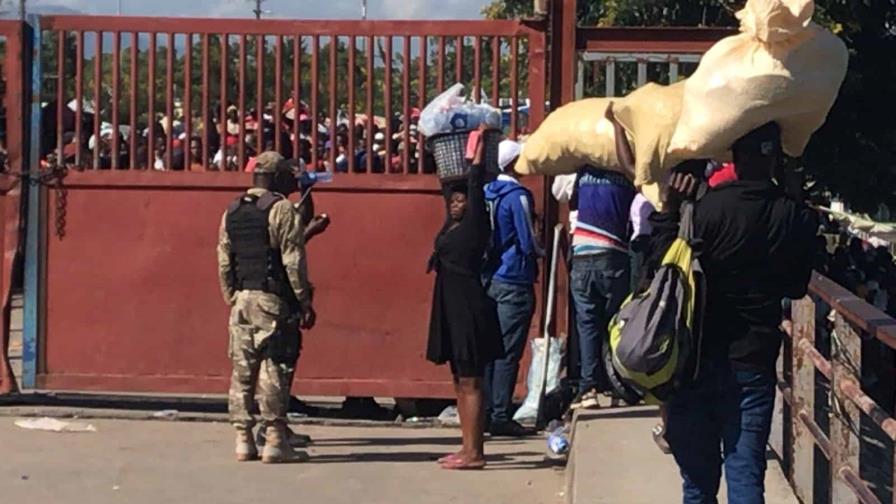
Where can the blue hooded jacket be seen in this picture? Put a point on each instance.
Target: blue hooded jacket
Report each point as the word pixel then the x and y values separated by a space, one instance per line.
pixel 514 252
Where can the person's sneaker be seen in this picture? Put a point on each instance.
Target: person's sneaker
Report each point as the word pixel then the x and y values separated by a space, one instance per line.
pixel 659 437
pixel 587 399
pixel 277 450
pixel 296 440
pixel 510 429
pixel 245 446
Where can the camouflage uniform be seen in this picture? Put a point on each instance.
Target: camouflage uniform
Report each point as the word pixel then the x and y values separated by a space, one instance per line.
pixel 264 334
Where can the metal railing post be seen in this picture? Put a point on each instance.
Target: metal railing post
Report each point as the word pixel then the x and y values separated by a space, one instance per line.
pixel 846 357
pixel 803 375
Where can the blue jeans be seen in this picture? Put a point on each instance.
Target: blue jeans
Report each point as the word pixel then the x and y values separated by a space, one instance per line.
pixel 516 304
pixel 724 418
pixel 599 285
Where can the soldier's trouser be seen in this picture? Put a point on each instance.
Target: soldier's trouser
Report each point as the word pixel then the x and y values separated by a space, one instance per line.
pixel 263 346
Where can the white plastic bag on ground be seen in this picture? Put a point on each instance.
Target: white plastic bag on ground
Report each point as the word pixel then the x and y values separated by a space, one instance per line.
pixel 782 68
pixel 54 425
pixel 528 412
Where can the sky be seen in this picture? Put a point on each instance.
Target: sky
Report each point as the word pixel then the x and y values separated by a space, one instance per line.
pixel 297 9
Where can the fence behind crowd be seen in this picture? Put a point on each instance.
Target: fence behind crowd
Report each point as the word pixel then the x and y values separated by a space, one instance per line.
pixel 839 387
pixel 202 94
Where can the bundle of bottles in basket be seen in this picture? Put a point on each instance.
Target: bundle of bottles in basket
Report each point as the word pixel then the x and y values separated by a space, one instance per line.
pixel 453 112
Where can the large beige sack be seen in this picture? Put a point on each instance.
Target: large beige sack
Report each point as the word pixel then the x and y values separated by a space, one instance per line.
pixel 649 116
pixel 782 67
pixel 574 135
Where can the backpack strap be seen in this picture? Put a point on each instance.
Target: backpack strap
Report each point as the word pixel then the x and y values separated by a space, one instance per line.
pixel 268 200
pixel 245 199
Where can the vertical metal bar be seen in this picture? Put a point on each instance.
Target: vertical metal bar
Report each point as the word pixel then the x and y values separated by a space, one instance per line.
pixel 151 121
pixel 169 105
pixel 134 76
pixel 477 69
pixel 315 90
pixel 496 71
pixel 514 86
pixel 188 102
pixel 579 92
pixel 79 99
pixel 34 315
pixel 241 141
pixel 406 106
pixel 846 356
pixel 206 116
pixel 97 97
pixel 673 70
pixel 334 89
pixel 276 113
pixel 369 104
pixel 421 100
pixel 441 74
pixel 225 43
pixel 459 59
pixel 116 97
pixel 352 47
pixel 803 386
pixel 537 72
pixel 259 92
pixel 296 91
pixel 388 113
pixel 611 78
pixel 642 71
pixel 60 95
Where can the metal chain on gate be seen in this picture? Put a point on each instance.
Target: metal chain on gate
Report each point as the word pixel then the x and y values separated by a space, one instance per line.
pixel 52 176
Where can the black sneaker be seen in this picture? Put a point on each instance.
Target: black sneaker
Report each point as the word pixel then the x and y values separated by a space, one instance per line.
pixel 510 429
pixel 587 399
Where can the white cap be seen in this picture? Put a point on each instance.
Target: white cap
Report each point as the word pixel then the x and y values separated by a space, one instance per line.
pixel 508 150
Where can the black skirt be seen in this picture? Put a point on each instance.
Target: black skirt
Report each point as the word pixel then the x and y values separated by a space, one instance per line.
pixel 463 327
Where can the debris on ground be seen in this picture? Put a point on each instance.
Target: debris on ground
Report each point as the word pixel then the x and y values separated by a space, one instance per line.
pixel 168 414
pixel 54 425
pixel 449 417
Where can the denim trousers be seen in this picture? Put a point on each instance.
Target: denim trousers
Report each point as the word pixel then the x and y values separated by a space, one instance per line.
pixel 599 285
pixel 724 419
pixel 516 305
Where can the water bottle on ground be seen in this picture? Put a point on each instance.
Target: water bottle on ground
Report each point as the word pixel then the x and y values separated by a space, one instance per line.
pixel 558 440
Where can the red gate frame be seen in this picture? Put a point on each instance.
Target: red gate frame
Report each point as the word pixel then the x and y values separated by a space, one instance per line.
pixel 132 300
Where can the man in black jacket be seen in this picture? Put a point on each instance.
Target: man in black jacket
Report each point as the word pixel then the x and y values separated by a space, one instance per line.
pixel 757 246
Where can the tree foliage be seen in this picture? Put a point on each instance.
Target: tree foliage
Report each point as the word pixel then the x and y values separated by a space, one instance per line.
pixel 854 155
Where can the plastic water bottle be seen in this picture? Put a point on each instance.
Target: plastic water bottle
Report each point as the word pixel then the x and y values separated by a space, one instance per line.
pixel 558 442
pixel 309 179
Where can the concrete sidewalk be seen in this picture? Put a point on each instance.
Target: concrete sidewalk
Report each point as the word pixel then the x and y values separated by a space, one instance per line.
pixel 615 461
pixel 144 462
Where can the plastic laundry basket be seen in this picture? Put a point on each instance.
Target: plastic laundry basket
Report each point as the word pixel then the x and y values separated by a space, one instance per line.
pixel 449 149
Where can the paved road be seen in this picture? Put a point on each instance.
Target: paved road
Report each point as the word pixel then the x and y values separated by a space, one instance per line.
pixel 148 462
pixel 616 462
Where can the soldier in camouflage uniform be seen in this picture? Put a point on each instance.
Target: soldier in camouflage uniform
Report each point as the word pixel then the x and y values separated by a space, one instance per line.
pixel 264 278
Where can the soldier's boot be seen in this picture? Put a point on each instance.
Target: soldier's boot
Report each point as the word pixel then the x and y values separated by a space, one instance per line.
pixel 296 440
pixel 245 446
pixel 277 449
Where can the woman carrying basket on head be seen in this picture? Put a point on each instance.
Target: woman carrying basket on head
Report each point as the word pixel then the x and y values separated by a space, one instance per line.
pixel 464 329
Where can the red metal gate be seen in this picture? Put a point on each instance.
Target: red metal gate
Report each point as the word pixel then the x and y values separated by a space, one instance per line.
pixel 132 301
pixel 13 126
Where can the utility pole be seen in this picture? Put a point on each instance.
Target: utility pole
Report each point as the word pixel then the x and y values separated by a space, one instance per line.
pixel 364 10
pixel 22 10
pixel 118 7
pixel 258 12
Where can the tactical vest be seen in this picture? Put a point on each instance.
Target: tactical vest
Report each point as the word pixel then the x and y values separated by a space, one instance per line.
pixel 256 264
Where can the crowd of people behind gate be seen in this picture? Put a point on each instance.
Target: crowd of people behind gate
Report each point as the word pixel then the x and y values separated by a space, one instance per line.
pixel 231 142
